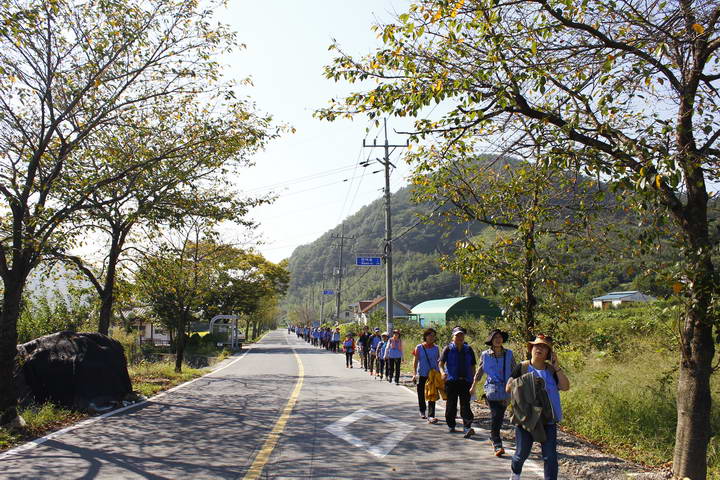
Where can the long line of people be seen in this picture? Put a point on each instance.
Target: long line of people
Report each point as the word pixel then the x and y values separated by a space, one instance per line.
pixel 532 386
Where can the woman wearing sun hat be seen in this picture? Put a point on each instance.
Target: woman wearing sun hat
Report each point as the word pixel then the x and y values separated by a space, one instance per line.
pixel 497 363
pixel 542 369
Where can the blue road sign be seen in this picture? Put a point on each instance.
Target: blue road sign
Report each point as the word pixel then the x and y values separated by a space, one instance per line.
pixel 368 261
pixel 328 292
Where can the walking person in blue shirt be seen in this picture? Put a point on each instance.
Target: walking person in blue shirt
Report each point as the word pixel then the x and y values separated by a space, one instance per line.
pixel 393 356
pixel 497 363
pixel 335 341
pixel 457 362
pixel 349 348
pixel 427 355
pixel 543 364
pixel 374 341
pixel 380 353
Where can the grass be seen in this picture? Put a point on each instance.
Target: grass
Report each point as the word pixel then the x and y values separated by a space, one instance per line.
pixel 147 378
pixel 40 419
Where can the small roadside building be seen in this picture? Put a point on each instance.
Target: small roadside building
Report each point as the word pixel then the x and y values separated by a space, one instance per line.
pixel 148 331
pixel 442 311
pixel 617 299
pixel 364 308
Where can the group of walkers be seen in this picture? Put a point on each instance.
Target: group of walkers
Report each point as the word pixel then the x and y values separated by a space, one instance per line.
pixel 532 386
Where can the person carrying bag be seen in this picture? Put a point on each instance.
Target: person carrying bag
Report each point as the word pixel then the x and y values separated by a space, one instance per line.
pixel 497 364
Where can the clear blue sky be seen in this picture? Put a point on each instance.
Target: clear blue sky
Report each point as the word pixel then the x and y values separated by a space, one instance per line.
pixel 287 47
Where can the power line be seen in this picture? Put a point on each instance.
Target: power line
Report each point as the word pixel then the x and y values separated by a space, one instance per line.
pixel 306 178
pixel 317 187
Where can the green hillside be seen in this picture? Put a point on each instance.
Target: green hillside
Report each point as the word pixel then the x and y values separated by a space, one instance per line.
pixel 416 269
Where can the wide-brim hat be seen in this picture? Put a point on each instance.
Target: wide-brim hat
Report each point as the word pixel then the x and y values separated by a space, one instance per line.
pixel 494 332
pixel 541 340
pixel 384 334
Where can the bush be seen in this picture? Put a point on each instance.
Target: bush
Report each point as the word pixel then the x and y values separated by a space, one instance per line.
pixel 130 343
pixel 41 317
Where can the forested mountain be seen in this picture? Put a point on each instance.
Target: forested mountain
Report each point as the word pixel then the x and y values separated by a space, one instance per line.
pixel 417 274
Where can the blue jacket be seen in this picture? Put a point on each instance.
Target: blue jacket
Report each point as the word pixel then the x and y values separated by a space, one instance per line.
pixel 452 358
pixel 374 341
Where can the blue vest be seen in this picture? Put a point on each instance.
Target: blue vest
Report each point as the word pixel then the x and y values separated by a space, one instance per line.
pixel 455 370
pixel 374 341
pixel 497 371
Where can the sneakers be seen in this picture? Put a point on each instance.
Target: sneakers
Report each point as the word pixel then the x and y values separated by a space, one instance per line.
pixel 514 476
pixel 422 415
pixel 499 451
pixel 397 383
pixel 432 420
pixel 451 430
pixel 468 432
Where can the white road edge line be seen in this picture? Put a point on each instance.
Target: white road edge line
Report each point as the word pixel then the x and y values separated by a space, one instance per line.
pixel 39 441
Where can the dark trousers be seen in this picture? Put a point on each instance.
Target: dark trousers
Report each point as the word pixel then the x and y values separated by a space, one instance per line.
pixel 523 445
pixel 381 366
pixel 458 390
pixel 497 414
pixel 365 359
pixel 373 361
pixel 430 407
pixel 348 359
pixel 393 369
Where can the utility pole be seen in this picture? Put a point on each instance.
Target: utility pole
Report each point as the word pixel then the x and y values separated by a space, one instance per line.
pixel 322 299
pixel 339 271
pixel 387 251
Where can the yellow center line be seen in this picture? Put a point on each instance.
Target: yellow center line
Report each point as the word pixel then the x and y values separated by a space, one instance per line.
pixel 271 441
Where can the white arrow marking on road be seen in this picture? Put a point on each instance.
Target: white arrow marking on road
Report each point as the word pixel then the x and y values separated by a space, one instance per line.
pixel 381 449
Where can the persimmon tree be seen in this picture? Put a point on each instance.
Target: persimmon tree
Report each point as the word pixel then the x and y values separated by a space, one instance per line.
pixel 624 90
pixel 532 209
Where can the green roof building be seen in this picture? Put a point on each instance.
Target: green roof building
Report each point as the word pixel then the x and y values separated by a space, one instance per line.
pixel 442 311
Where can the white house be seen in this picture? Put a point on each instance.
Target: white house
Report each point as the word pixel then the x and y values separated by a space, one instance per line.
pixel 148 332
pixel 616 299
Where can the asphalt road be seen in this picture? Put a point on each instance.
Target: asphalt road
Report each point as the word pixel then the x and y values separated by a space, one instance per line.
pixel 284 410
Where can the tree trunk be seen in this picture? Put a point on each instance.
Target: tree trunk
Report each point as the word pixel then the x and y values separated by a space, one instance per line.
pixel 180 346
pixel 254 330
pixel 12 303
pixel 693 392
pixel 247 329
pixel 108 294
